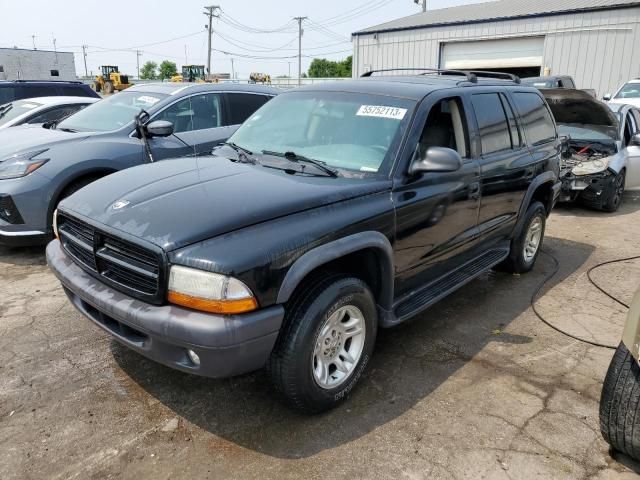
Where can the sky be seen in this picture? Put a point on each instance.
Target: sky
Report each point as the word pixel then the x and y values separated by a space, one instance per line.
pixel 175 30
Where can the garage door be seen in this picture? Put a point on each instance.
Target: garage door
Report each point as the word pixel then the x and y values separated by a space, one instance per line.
pixel 512 53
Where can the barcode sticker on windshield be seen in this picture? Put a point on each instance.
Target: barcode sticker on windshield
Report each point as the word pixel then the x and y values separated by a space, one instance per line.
pixel 148 100
pixel 392 113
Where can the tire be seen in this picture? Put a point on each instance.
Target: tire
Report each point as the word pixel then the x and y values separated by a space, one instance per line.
pixel 108 87
pixel 310 338
pixel 96 87
pixel 70 190
pixel 519 259
pixel 613 202
pixel 620 404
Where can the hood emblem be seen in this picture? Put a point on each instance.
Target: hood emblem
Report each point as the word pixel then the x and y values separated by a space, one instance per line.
pixel 120 204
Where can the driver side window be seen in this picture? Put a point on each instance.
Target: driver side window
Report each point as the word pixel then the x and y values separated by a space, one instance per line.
pixel 445 127
pixel 198 112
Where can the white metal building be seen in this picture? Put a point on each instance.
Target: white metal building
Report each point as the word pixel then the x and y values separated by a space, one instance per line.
pixel 22 64
pixel 595 41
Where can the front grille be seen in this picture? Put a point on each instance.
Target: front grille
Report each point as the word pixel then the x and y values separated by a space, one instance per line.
pixel 8 211
pixel 130 268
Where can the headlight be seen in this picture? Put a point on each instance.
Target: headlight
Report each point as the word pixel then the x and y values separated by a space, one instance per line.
pixel 22 164
pixel 589 168
pixel 209 292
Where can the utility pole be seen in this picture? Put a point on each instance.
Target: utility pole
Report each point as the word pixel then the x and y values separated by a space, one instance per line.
pixel 289 69
pixel 33 37
pixel 211 12
pixel 138 55
pixel 186 58
pixel 84 54
pixel 423 2
pixel 300 32
pixel 233 71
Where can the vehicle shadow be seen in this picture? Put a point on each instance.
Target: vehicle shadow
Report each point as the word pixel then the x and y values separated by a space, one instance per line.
pixel 630 204
pixel 409 363
pixel 22 256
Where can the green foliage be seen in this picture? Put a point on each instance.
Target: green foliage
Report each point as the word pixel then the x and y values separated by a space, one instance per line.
pixel 149 71
pixel 167 70
pixel 323 68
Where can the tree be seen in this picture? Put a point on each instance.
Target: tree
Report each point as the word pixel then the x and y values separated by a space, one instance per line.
pixel 149 71
pixel 323 68
pixel 167 70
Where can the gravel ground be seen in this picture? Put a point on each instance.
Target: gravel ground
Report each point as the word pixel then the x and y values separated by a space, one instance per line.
pixel 476 387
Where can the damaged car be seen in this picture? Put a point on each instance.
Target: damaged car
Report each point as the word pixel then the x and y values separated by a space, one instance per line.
pixel 600 148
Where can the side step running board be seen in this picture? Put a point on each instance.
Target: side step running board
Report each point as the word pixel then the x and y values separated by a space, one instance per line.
pixel 422 299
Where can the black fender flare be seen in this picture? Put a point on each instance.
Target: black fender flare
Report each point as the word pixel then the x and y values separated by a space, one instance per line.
pixel 544 178
pixel 339 248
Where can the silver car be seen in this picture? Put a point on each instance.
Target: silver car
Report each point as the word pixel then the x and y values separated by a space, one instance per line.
pixel 601 157
pixel 41 110
pixel 41 166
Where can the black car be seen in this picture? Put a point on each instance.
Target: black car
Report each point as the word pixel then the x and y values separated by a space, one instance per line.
pixel 11 90
pixel 334 210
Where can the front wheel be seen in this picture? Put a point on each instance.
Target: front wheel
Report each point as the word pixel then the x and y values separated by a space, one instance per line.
pixel 525 248
pixel 612 204
pixel 325 343
pixel 620 404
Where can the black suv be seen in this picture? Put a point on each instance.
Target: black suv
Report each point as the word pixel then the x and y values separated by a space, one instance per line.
pixel 334 210
pixel 21 89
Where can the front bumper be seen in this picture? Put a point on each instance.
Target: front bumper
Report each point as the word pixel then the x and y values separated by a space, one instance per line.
pixel 593 190
pixel 27 202
pixel 226 345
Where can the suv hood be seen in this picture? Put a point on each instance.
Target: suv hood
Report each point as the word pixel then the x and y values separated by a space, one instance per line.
pixel 576 107
pixel 182 201
pixel 27 138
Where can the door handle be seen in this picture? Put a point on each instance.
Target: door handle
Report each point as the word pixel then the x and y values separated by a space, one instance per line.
pixel 474 191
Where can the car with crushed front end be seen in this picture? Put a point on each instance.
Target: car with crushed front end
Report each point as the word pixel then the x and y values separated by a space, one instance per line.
pixel 334 210
pixel 42 164
pixel 601 148
pixel 620 399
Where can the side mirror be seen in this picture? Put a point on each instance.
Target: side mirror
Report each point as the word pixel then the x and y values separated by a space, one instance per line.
pixel 635 140
pixel 436 159
pixel 607 97
pixel 159 128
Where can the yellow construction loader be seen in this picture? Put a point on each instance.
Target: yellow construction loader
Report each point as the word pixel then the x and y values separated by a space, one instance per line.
pixel 111 80
pixel 191 74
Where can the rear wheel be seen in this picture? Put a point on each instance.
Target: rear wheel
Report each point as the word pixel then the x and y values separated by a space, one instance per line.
pixel 525 248
pixel 108 87
pixel 325 344
pixel 620 404
pixel 612 204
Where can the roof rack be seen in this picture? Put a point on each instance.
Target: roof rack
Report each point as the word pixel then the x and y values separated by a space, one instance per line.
pixel 471 77
pixel 498 75
pixel 47 81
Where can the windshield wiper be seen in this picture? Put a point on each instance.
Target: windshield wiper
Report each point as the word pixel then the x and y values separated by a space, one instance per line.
pixel 295 158
pixel 5 108
pixel 244 155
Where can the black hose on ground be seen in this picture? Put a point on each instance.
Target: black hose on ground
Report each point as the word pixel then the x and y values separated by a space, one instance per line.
pixel 534 297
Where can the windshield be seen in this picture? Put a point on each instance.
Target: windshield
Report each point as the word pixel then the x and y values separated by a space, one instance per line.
pixel 629 90
pixel 11 111
pixel 112 113
pixel 344 130
pixel 594 133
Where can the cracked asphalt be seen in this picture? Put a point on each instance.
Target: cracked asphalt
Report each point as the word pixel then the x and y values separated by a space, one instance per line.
pixel 476 387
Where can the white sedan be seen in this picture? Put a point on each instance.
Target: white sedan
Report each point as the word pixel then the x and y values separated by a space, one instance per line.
pixel 628 94
pixel 601 148
pixel 41 110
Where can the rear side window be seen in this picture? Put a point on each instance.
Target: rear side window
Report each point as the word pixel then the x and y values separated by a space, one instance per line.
pixel 79 91
pixel 57 113
pixel 538 124
pixel 492 123
pixel 242 105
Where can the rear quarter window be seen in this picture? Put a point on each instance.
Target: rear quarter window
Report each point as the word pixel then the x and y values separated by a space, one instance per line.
pixel 536 118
